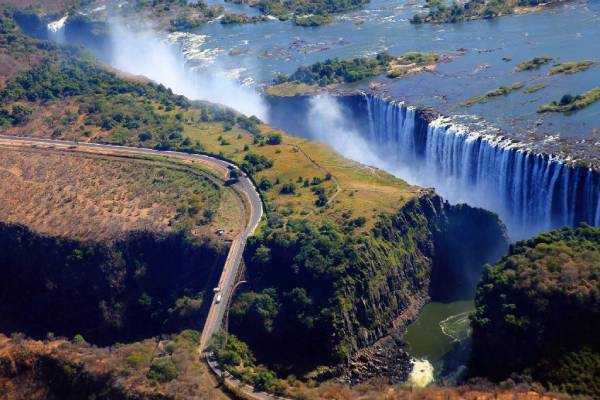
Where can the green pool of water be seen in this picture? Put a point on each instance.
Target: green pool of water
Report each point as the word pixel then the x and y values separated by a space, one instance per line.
pixel 438 332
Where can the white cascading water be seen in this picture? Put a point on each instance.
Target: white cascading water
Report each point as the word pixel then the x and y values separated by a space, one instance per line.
pixel 530 192
pixel 56 29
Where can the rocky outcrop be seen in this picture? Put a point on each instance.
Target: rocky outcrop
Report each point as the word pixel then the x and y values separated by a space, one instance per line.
pixel 386 358
pixel 421 251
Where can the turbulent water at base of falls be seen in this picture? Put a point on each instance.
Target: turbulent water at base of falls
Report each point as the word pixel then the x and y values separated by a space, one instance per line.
pixel 530 192
pixel 56 28
pixel 421 374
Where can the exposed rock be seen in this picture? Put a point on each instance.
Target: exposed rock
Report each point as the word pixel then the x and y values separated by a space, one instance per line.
pixel 385 359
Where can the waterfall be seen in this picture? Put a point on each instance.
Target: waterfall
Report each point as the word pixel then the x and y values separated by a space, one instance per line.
pixel 56 29
pixel 531 192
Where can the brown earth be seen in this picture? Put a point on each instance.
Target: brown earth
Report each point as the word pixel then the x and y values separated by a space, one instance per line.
pixel 466 392
pixel 91 196
pixel 43 6
pixel 53 369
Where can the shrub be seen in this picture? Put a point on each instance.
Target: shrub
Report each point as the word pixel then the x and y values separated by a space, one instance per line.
pixel 162 370
pixel 78 339
pixel 288 188
pixel 274 139
pixel 138 359
pixel 265 184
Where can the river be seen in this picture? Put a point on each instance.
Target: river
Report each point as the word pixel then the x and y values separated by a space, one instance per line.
pixel 438 339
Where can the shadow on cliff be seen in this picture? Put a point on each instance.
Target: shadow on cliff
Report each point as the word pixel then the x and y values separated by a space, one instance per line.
pixel 138 286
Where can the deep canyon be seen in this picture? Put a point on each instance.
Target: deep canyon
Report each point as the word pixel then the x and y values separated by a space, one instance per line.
pixel 343 298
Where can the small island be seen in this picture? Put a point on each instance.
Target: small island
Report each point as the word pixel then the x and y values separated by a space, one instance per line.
pixel 573 67
pixel 534 88
pixel 500 91
pixel 477 9
pixel 174 15
pixel 333 72
pixel 233 19
pixel 533 63
pixel 303 13
pixel 570 103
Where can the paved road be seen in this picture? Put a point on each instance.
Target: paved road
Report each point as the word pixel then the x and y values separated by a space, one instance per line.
pixel 233 261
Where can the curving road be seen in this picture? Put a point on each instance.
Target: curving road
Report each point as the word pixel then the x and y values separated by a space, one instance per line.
pixel 234 257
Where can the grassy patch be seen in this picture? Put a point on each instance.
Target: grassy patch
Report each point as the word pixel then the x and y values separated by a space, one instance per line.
pixel 534 88
pixel 500 91
pixel 570 103
pixel 289 89
pixel 352 188
pixel 569 68
pixel 533 63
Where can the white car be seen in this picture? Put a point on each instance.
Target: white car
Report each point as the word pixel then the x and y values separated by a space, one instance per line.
pixel 218 298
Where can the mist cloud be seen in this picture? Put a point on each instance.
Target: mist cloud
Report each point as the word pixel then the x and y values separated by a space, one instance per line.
pixel 328 124
pixel 145 53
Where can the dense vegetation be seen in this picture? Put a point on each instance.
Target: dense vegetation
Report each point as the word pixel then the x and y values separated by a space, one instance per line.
pixel 334 71
pixel 440 12
pixel 500 91
pixel 107 108
pixel 569 103
pixel 533 63
pixel 538 312
pixel 570 68
pixel 300 9
pixel 315 285
pixel 136 287
pixel 231 18
pixel 236 358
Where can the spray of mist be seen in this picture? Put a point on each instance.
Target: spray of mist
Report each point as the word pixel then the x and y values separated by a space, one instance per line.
pixel 144 53
pixel 329 124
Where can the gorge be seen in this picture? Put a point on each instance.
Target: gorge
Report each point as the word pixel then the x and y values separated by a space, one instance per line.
pixel 347 254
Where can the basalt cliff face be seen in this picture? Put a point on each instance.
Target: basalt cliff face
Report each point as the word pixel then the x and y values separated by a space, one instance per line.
pixel 375 285
pixel 138 286
pixel 428 250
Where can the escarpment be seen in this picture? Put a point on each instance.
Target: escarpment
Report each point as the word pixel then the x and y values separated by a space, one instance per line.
pixel 428 249
pixel 141 285
pixel 332 295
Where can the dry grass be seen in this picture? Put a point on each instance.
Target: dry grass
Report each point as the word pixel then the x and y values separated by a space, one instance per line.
pixel 289 89
pixel 89 196
pixel 380 391
pixel 45 6
pixel 355 189
pixel 127 366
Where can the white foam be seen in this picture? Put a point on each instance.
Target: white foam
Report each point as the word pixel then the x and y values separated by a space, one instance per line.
pixel 57 25
pixel 421 374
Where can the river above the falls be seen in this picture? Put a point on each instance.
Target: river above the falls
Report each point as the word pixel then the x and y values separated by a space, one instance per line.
pixel 254 53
